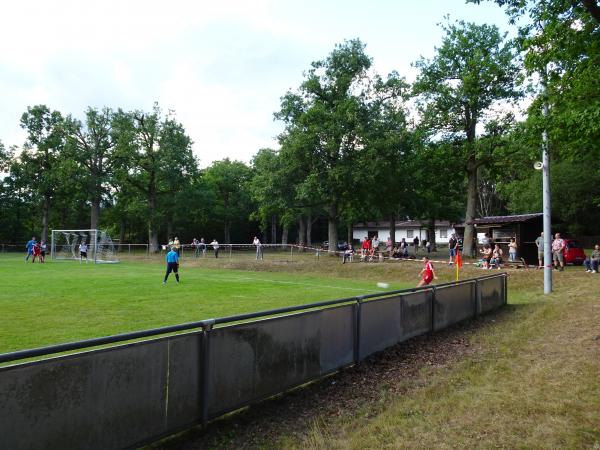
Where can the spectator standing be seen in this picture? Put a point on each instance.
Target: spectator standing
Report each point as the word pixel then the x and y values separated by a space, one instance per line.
pixel 203 246
pixel 485 240
pixel 416 244
pixel 29 246
pixel 215 246
pixel 259 252
pixel 452 246
pixel 389 246
pixel 196 245
pixel 539 243
pixel 177 246
pixel 512 250
pixel 364 248
pixel 375 244
pixel 592 263
pixel 558 256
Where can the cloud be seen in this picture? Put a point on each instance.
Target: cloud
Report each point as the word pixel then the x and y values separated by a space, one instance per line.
pixel 222 66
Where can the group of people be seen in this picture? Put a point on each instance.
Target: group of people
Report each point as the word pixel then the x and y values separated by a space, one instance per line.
pixel 557 248
pixel 35 250
pixel 492 255
pixel 370 249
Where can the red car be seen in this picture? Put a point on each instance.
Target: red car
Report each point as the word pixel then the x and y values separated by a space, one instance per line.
pixel 573 252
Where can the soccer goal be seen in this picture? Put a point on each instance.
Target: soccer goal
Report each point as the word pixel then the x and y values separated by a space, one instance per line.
pixel 65 244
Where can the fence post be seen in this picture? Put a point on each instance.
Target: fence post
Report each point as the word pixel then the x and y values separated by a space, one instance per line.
pixel 432 296
pixel 357 314
pixel 477 298
pixel 205 372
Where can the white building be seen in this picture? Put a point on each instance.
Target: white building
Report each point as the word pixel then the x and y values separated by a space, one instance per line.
pixel 406 229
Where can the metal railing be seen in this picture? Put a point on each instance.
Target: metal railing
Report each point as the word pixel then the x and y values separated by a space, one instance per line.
pixel 138 391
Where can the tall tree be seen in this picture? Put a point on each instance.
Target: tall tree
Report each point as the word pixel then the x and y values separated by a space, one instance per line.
pixel 328 110
pixel 228 181
pixel 91 145
pixel 154 155
pixel 474 69
pixel 39 166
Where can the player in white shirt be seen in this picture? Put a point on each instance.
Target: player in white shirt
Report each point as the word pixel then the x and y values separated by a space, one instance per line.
pixel 83 248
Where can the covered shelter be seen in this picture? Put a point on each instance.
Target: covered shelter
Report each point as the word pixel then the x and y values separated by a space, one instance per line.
pixel 525 228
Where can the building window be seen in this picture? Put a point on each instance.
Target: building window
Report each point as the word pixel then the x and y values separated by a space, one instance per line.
pixel 409 233
pixel 443 232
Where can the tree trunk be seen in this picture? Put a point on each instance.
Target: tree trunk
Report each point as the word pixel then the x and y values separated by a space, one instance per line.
pixel 332 232
pixel 431 234
pixel 309 224
pixel 170 228
pixel 153 239
pixel 284 234
pixel 350 234
pixel 227 231
pixel 121 234
pixel 273 229
pixel 301 232
pixel 468 238
pixel 45 217
pixel 393 228
pixel 152 229
pixel 95 213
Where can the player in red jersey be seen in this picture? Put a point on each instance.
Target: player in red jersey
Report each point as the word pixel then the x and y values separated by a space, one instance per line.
pixel 427 272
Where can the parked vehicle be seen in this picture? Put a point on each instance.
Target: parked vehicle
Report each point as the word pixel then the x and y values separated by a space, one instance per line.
pixel 341 245
pixel 573 252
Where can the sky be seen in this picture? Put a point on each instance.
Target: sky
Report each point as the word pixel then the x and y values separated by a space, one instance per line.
pixel 221 66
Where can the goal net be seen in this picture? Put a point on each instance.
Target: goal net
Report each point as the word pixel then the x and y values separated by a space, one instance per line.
pixel 65 244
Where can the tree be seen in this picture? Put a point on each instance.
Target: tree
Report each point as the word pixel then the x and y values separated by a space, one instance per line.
pixel 39 167
pixel 385 188
pixel 228 182
pixel 326 115
pixel 474 69
pixel 153 155
pixel 91 146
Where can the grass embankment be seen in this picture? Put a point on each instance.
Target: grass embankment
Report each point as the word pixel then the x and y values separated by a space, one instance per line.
pixel 533 383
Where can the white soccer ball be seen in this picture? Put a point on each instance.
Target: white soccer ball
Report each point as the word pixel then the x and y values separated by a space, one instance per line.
pixel 383 285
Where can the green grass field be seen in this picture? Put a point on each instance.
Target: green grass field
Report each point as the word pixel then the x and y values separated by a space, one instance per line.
pixel 55 302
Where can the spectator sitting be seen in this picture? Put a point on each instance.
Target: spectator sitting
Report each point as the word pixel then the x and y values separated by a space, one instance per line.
pixel 348 253
pixel 591 263
pixel 404 248
pixel 486 251
pixel 396 253
pixel 496 257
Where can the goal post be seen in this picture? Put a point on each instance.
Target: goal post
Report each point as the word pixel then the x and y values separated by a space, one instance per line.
pixel 64 245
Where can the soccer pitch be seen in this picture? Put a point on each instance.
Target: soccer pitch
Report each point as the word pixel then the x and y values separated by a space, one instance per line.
pixel 57 302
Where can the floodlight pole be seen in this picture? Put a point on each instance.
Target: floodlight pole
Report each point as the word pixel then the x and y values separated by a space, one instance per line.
pixel 546 198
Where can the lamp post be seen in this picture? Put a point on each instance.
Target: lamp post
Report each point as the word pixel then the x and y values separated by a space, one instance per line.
pixel 546 203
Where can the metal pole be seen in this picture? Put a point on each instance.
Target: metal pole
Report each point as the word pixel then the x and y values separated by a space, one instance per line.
pixel 546 199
